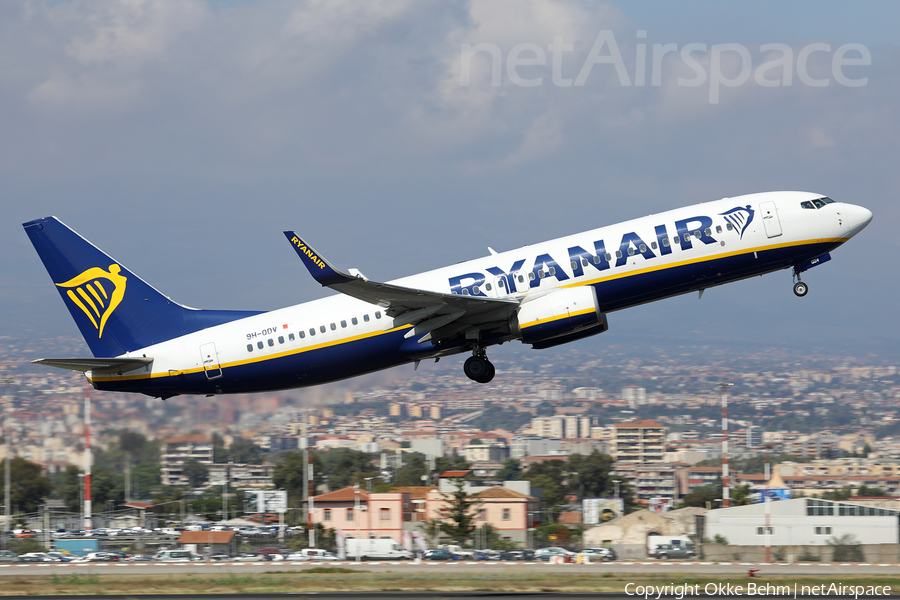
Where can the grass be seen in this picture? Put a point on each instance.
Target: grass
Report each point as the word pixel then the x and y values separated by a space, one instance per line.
pixel 340 579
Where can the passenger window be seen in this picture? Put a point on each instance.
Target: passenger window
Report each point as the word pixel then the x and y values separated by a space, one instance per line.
pixel 541 274
pixel 707 231
pixel 322 328
pixel 312 331
pixel 259 345
pixel 521 279
pixel 475 290
pixel 465 292
pixel 596 259
pixel 718 229
pixel 653 245
pixel 366 317
pixel 249 347
pixel 630 251
pixel 729 226
pixel 301 334
pixel 618 254
pixel 271 342
pixel 355 321
pixel 687 237
pixel 501 284
pixel 608 257
pixel 343 323
pixel 574 265
pixel 552 271
pixel 643 248
pixel 280 339
pixel 487 286
pixel 697 234
pixel 666 242
pixel 333 327
pixel 584 262
pixel 531 276
pixel 291 336
pixel 377 314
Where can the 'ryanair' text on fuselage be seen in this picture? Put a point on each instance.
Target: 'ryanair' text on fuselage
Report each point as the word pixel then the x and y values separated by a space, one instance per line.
pixel 545 266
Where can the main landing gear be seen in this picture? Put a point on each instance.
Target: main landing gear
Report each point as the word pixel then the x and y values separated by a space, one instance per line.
pixel 478 368
pixel 800 288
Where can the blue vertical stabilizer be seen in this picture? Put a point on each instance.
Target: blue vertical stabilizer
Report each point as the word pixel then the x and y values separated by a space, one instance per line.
pixel 116 311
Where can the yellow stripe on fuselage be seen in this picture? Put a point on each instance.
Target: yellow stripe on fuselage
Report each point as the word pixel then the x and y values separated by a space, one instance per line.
pixel 253 360
pixel 699 259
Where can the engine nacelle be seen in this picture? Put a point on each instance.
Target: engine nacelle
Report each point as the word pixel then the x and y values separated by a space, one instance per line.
pixel 560 313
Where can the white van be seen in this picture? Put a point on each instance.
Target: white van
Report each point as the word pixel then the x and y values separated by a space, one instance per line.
pixel 176 556
pixel 372 549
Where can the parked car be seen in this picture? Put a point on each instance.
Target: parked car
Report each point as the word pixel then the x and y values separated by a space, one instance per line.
pixel 607 554
pixel 8 556
pixel 548 553
pixel 220 556
pixel 666 551
pixel 31 559
pixel 249 557
pixel 438 554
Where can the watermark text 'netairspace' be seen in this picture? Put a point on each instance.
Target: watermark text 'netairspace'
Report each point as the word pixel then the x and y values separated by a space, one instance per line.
pixel 721 65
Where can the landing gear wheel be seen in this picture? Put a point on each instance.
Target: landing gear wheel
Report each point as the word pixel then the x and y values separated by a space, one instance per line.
pixel 479 368
pixel 800 289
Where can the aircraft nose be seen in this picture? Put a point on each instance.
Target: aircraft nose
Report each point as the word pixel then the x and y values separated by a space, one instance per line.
pixel 857 218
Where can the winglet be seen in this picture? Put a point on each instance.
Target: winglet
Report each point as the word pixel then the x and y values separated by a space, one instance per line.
pixel 318 267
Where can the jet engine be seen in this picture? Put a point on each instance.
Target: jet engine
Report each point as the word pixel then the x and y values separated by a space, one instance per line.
pixel 559 316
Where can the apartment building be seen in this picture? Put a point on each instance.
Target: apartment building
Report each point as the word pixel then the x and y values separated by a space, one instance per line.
pixel 180 448
pixel 641 442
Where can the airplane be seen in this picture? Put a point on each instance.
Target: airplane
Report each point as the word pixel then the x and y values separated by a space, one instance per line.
pixel 546 294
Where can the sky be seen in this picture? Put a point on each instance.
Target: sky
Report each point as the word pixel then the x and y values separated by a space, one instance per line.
pixel 184 137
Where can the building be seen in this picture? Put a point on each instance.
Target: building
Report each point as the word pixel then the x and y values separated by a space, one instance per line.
pixel 178 449
pixel 363 514
pixel 803 522
pixel 649 481
pixel 639 442
pixel 511 513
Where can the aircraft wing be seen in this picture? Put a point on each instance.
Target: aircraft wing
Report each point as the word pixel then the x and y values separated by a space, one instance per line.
pixel 97 365
pixel 428 311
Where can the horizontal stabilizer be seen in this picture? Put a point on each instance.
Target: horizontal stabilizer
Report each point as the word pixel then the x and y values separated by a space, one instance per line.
pixel 97 365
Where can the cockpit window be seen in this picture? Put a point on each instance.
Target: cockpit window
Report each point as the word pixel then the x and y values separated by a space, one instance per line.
pixel 816 203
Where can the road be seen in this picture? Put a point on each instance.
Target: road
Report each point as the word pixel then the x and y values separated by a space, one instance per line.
pixel 705 568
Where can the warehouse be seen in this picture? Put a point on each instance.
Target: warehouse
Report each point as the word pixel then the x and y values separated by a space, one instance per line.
pixel 803 522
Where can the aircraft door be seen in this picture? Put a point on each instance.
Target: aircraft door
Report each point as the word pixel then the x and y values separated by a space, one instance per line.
pixel 210 359
pixel 520 280
pixel 770 219
pixel 499 287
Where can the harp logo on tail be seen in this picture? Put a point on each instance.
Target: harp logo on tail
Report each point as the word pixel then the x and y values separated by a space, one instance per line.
pixel 97 293
pixel 740 217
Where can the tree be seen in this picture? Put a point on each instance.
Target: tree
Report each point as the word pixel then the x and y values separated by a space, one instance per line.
pixel 740 495
pixel 67 485
pixel 28 487
pixel 345 467
pixel 590 475
pixel 412 470
pixel 195 471
pixel 291 473
pixel 245 452
pixel 511 471
pixel 462 510
pixel 702 496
